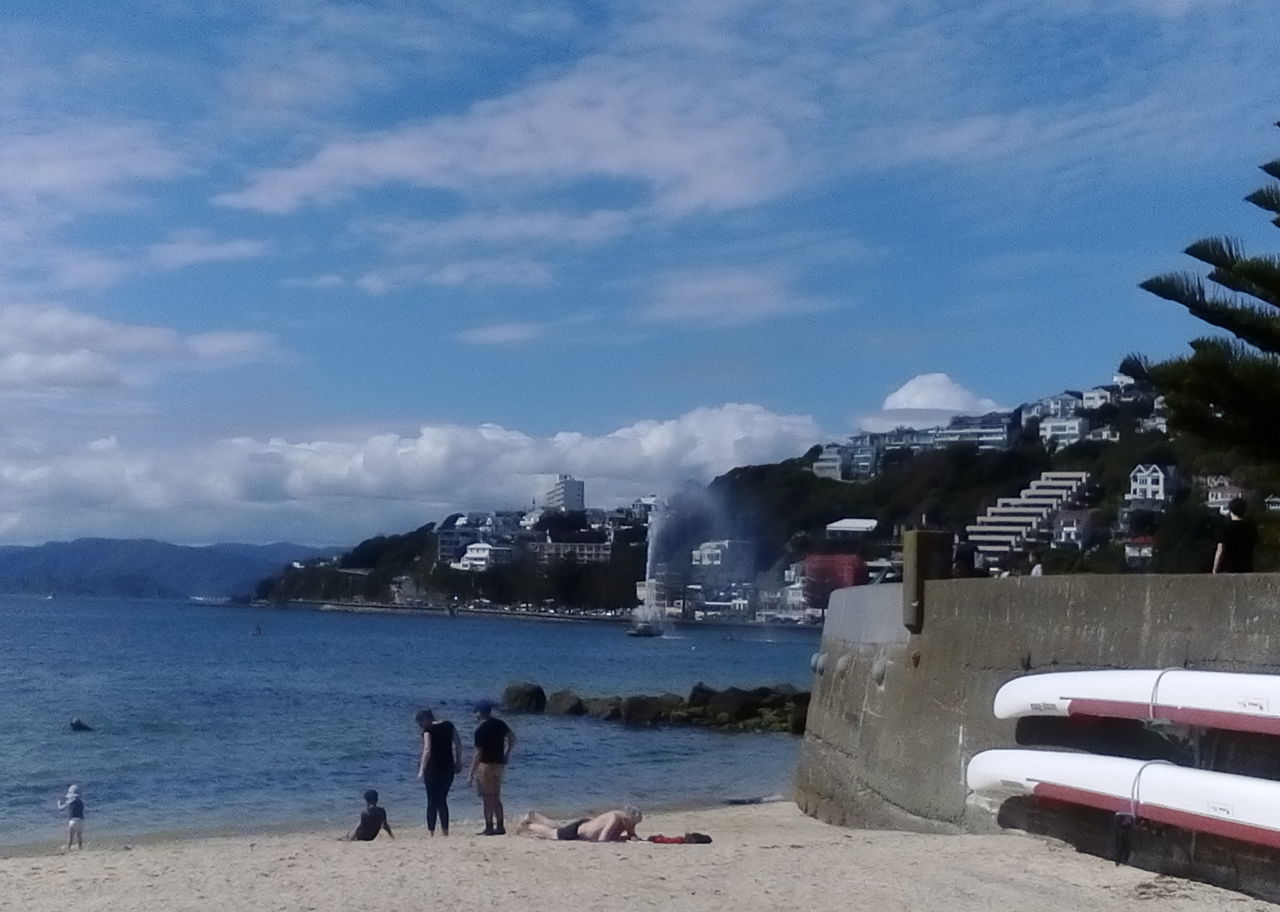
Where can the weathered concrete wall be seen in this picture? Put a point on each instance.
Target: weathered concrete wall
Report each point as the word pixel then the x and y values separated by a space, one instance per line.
pixel 896 716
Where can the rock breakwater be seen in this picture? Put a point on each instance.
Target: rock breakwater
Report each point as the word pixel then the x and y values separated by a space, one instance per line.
pixel 781 708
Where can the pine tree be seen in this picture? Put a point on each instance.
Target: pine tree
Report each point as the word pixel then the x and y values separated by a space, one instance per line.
pixel 1227 390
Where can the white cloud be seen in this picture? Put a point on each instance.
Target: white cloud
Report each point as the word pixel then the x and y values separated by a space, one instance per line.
pixel 937 391
pixel 56 348
pixel 719 298
pixel 192 249
pixel 81 166
pixel 926 400
pixel 694 146
pixel 507 228
pixel 510 271
pixel 503 333
pixel 347 489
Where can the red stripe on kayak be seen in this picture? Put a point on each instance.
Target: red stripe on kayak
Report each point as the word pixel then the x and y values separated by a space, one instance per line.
pixel 1232 829
pixel 1186 715
pixel 1188 820
pixel 1073 795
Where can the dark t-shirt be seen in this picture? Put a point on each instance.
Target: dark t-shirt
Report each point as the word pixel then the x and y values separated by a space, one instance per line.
pixel 1238 539
pixel 371 822
pixel 491 740
pixel 440 736
pixel 75 809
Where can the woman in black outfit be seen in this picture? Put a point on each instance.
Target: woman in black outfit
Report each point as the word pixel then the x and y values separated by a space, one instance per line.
pixel 441 759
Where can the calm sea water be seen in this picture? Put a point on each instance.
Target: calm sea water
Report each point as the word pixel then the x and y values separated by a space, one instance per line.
pixel 201 726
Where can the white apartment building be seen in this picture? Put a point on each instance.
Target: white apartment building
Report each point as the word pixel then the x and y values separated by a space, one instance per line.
pixel 483 556
pixel 1097 397
pixel 1064 430
pixel 1015 523
pixel 836 462
pixel 568 493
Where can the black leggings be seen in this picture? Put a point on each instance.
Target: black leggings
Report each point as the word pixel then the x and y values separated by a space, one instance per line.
pixel 438 784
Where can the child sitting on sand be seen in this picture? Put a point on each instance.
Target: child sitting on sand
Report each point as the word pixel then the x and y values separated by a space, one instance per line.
pixel 373 819
pixel 73 804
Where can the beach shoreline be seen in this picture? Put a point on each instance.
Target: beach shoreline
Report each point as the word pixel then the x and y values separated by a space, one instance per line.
pixel 762 857
pixel 411 818
pixel 621 620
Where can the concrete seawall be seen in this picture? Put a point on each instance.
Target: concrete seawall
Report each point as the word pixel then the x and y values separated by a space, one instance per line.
pixel 895 715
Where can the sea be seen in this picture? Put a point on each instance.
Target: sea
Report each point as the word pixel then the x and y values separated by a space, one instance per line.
pixel 235 719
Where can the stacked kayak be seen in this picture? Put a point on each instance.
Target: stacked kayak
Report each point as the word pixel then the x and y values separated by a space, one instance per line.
pixel 1224 804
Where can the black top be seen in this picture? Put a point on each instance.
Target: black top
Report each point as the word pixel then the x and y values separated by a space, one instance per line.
pixel 491 737
pixel 440 737
pixel 371 822
pixel 1238 538
pixel 75 809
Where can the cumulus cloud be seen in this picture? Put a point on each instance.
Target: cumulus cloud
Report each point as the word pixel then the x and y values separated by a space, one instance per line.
pixel 718 298
pixel 926 400
pixel 56 348
pixel 249 487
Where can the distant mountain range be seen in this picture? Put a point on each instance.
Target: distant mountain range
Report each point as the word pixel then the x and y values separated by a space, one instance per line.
pixel 141 568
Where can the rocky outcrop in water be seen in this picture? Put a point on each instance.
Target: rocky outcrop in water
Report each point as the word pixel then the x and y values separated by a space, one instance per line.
pixel 524 697
pixel 781 708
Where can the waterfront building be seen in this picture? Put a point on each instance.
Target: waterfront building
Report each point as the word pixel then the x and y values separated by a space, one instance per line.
pixel 852 528
pixel 568 493
pixel 722 563
pixel 451 543
pixel 582 552
pixel 482 556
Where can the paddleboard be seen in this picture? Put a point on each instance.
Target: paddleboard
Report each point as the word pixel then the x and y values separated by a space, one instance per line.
pixel 1208 699
pixel 1224 804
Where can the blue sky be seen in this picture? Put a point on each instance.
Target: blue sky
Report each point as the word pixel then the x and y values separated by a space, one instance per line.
pixel 309 271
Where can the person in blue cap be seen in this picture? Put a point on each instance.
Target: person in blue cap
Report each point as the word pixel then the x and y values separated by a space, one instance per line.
pixel 494 741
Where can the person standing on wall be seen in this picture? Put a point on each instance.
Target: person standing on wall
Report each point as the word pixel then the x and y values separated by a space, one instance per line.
pixel 1236 541
pixel 441 759
pixel 494 740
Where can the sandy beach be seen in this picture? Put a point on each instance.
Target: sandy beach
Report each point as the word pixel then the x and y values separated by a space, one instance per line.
pixel 764 857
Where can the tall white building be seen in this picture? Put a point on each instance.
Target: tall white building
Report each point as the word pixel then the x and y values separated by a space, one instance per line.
pixel 568 493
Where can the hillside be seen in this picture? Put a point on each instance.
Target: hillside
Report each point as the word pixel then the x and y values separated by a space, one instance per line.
pixel 143 568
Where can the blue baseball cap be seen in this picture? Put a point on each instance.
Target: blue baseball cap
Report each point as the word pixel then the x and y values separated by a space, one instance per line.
pixel 484 706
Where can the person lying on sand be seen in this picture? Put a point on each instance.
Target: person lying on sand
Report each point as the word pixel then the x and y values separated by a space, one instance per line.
pixel 611 826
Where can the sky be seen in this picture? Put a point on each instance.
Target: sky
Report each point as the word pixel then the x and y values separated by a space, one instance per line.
pixel 317 271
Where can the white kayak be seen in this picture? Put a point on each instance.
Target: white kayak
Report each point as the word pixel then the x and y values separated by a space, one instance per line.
pixel 1208 699
pixel 1224 804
